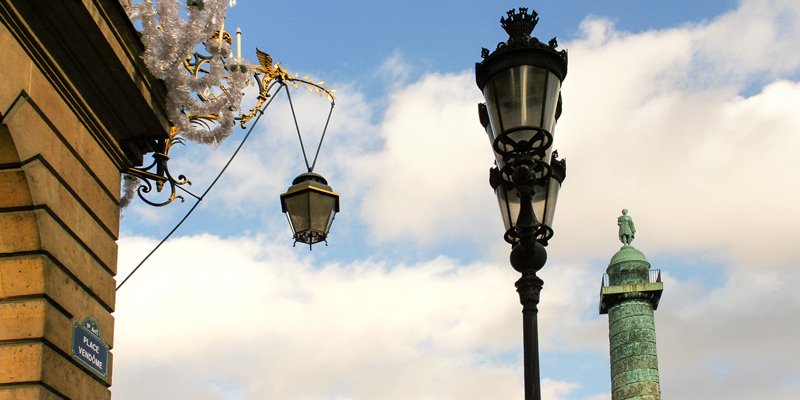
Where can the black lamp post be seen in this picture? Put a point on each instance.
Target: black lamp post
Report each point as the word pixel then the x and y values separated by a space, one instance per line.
pixel 521 83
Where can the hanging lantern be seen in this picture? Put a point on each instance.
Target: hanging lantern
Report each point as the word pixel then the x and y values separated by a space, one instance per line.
pixel 310 206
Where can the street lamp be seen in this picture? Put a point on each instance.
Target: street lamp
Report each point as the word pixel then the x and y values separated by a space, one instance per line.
pixel 310 206
pixel 204 92
pixel 205 85
pixel 521 83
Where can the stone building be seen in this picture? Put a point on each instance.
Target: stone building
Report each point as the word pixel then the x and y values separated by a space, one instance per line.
pixel 77 107
pixel 630 294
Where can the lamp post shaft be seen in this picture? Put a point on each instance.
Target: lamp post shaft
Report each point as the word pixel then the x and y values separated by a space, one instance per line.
pixel 528 256
pixel 529 288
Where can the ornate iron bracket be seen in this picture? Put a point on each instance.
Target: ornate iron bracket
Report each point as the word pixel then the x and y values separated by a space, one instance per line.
pixel 157 175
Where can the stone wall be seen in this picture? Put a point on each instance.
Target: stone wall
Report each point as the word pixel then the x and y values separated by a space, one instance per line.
pixel 66 133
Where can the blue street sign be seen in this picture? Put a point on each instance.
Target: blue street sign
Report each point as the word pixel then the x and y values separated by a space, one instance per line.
pixel 88 347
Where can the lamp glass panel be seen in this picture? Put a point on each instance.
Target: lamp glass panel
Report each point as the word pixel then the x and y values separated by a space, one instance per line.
pixel 509 206
pixel 330 222
pixel 297 206
pixel 550 107
pixel 321 210
pixel 552 199
pixel 515 97
pixel 310 214
pixel 543 201
pixel 521 96
pixel 551 102
pixel 539 201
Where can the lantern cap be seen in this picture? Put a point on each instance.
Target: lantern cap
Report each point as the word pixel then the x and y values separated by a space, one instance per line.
pixel 521 49
pixel 309 176
pixel 310 181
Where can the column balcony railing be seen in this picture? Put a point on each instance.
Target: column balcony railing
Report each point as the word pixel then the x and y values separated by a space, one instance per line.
pixel 654 276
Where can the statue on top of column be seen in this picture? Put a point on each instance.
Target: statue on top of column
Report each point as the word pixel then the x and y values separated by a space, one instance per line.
pixel 626 229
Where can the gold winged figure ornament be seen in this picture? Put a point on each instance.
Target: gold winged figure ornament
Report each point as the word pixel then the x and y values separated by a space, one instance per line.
pixel 270 71
pixel 266 72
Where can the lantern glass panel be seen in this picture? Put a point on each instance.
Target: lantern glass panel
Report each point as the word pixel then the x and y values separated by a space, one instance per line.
pixel 539 202
pixel 552 198
pixel 509 205
pixel 543 201
pixel 551 103
pixel 311 214
pixel 321 210
pixel 522 96
pixel 297 206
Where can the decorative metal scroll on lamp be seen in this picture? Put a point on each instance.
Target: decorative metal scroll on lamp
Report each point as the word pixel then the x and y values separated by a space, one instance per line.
pixel 310 204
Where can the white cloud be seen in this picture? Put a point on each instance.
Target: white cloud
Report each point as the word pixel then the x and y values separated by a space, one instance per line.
pixel 253 315
pixel 759 37
pixel 245 315
pixel 395 69
pixel 699 167
pixel 661 124
pixel 600 397
pixel 431 175
pixel 644 127
pixel 720 341
pixel 556 390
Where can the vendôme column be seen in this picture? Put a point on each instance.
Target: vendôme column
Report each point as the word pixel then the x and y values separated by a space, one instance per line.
pixel 630 295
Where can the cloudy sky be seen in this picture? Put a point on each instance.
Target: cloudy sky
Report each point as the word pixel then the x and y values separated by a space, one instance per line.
pixel 686 113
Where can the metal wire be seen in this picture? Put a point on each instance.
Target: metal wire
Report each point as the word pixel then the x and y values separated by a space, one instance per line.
pixel 324 130
pixel 297 126
pixel 208 189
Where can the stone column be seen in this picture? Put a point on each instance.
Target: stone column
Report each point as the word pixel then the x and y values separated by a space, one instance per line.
pixel 634 362
pixel 630 294
pixel 76 109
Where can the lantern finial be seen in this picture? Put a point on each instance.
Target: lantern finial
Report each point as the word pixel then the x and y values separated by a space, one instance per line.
pixel 519 25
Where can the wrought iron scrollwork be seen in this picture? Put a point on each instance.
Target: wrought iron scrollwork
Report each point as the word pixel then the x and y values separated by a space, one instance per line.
pixel 525 171
pixel 157 175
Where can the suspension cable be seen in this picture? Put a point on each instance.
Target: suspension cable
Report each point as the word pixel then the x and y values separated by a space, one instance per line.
pixel 208 189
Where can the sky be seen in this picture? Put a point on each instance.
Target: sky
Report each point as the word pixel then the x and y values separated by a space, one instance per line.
pixel 683 112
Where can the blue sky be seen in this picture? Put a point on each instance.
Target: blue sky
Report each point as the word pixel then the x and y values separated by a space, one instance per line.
pixel 683 112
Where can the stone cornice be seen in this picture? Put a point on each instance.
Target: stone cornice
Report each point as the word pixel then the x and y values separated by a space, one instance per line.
pixel 89 51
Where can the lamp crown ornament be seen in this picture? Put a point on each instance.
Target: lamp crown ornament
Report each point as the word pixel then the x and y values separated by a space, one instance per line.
pixel 519 25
